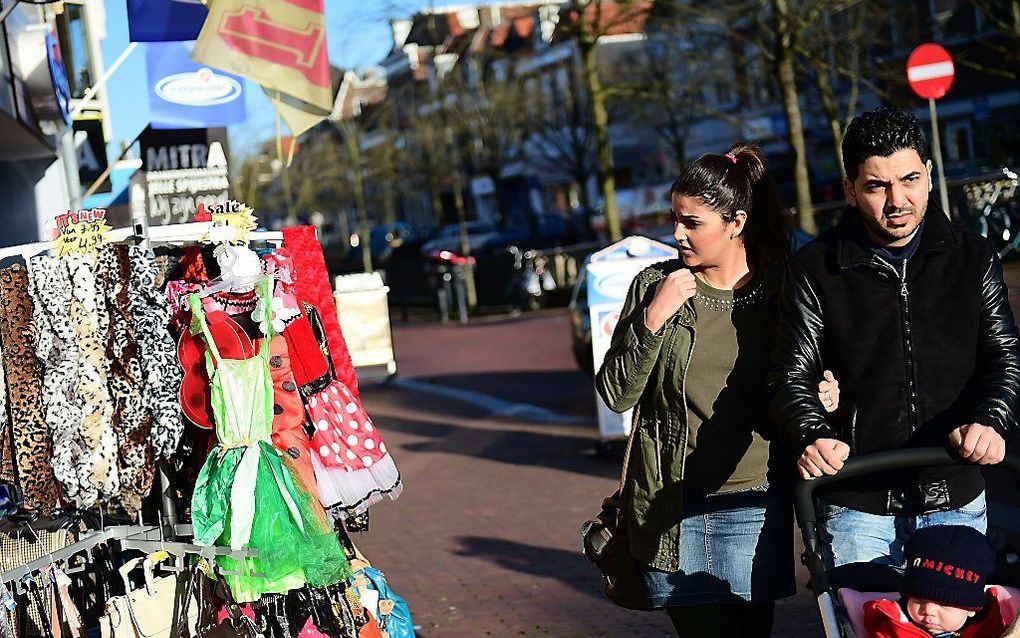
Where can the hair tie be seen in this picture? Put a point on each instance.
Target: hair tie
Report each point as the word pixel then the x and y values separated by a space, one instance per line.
pixel 733 158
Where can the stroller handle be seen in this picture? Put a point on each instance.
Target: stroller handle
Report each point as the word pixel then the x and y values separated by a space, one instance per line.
pixel 803 495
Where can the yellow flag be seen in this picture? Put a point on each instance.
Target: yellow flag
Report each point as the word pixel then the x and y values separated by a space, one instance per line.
pixel 281 44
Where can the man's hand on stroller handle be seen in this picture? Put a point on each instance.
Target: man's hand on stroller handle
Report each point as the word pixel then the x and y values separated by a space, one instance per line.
pixel 978 443
pixel 824 456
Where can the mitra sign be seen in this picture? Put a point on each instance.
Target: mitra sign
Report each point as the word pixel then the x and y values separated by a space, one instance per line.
pixel 930 71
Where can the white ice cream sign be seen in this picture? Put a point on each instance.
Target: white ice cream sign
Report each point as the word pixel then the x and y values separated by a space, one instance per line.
pixel 203 87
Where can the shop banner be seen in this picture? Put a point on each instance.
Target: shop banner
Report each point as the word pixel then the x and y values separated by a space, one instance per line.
pixel 165 20
pixel 281 44
pixel 90 143
pixel 177 196
pixel 184 94
pixel 610 273
pixel 173 149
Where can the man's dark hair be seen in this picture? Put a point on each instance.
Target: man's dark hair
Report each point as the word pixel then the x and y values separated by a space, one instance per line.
pixel 881 133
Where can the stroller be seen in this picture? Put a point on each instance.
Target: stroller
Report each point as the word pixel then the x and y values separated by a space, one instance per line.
pixel 842 592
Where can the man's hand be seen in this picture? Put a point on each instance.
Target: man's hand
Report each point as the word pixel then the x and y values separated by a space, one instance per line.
pixel 978 443
pixel 824 456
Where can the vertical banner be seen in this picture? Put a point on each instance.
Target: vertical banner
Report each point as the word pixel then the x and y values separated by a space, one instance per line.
pixel 184 94
pixel 165 20
pixel 610 273
pixel 281 44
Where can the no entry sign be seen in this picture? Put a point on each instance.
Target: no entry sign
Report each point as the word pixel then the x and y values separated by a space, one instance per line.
pixel 930 71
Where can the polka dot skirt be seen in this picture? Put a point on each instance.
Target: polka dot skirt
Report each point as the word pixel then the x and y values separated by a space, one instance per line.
pixel 344 434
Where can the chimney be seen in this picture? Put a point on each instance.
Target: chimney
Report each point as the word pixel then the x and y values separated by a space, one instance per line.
pixel 401 29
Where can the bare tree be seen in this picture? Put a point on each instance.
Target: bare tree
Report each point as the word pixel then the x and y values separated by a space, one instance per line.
pixel 487 117
pixel 835 49
pixel 585 22
pixel 1004 17
pixel 562 140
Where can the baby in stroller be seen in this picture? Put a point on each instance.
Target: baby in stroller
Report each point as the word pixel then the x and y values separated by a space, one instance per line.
pixel 943 589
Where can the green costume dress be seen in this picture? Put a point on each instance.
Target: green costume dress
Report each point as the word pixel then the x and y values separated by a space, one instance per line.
pixel 246 496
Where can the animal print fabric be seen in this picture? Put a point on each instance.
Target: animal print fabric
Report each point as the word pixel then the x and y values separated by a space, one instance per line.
pixel 161 373
pixel 30 434
pixel 90 320
pixel 57 351
pixel 132 422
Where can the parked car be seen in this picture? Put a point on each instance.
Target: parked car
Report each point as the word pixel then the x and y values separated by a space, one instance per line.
pixel 480 234
pixel 580 324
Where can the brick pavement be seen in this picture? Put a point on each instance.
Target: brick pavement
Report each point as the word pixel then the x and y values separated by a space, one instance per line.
pixel 484 541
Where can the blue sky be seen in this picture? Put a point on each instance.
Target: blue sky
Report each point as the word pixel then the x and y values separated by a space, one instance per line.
pixel 359 36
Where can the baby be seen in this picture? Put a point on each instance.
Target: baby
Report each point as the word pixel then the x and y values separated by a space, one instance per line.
pixel 943 591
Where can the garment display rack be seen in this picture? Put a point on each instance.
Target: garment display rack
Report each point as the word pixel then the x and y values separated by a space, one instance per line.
pixel 145 538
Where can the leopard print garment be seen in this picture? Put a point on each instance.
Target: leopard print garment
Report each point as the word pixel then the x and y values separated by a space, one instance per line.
pixel 24 382
pixel 6 461
pixel 89 318
pixel 57 351
pixel 132 423
pixel 161 371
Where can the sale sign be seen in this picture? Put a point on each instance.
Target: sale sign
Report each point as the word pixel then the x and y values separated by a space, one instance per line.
pixel 81 231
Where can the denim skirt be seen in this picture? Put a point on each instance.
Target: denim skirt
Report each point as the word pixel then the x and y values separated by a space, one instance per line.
pixel 734 548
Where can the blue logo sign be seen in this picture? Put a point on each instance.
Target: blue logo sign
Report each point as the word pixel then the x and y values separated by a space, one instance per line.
pixel 204 87
pixel 185 94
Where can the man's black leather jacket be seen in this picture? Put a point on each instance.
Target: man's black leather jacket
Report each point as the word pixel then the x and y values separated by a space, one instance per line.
pixel 918 351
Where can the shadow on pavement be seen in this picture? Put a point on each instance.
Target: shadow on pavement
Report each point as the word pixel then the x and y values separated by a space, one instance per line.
pixel 518 447
pixel 566 392
pixel 570 568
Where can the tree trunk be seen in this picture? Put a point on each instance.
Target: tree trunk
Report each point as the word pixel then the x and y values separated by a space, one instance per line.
pixel 786 75
pixel 458 205
pixel 589 232
pixel 831 107
pixel 358 185
pixel 600 119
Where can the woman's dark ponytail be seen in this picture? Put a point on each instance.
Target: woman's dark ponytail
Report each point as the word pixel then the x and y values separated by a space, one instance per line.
pixel 738 181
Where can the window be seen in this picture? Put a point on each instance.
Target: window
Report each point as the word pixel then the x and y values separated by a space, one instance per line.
pixel 72 32
pixel 6 87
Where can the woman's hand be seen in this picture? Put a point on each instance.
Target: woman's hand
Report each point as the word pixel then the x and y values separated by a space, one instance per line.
pixel 670 294
pixel 828 391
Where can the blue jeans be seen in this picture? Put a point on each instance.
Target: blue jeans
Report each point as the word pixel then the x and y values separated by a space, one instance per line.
pixel 734 548
pixel 849 536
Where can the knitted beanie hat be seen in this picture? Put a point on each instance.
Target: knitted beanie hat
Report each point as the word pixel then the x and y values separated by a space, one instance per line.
pixel 948 564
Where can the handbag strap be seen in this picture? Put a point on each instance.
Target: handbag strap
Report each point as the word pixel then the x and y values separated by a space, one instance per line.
pixel 630 442
pixel 191 592
pixel 70 611
pixel 124 571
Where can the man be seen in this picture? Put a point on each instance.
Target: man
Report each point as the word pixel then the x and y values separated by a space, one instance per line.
pixel 910 314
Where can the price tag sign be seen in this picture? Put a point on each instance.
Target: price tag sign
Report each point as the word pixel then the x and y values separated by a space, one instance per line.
pixel 233 222
pixel 81 231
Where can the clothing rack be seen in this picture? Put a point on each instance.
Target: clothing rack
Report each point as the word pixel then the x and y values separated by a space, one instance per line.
pixel 145 235
pixel 140 537
pixel 145 538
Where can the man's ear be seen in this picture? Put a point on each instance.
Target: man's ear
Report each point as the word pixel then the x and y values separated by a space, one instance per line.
pixel 848 189
pixel 928 166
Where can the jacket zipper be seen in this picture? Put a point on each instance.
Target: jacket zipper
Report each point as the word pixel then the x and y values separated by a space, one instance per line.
pixel 908 339
pixel 658 448
pixel 683 399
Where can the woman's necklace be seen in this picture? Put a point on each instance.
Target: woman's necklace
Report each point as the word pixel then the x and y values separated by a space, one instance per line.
pixel 737 303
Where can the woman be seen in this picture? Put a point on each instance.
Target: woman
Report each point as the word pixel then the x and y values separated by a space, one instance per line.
pixel 708 515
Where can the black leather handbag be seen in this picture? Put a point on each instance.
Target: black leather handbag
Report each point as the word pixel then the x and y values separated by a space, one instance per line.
pixel 606 544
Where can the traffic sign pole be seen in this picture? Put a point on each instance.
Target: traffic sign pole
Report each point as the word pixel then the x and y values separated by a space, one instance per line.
pixel 937 148
pixel 930 73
